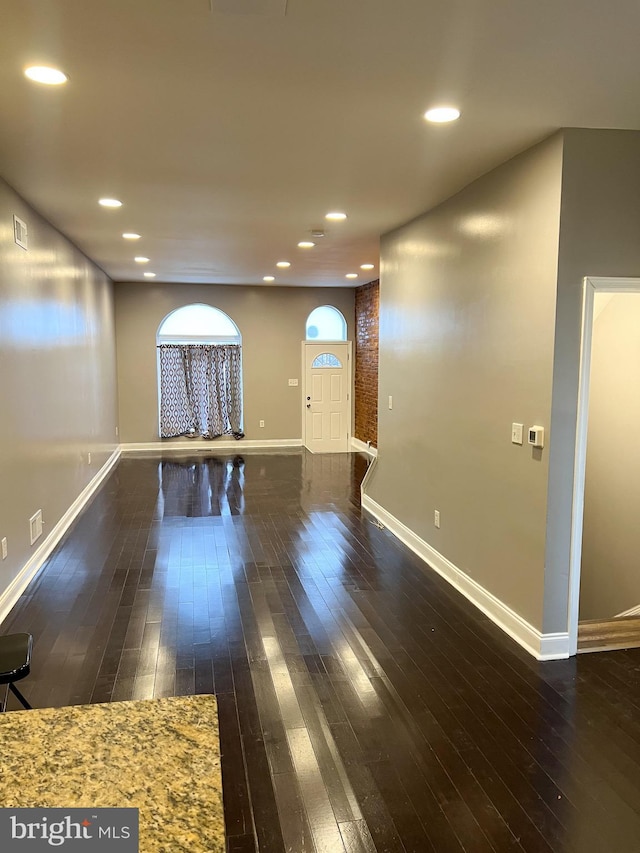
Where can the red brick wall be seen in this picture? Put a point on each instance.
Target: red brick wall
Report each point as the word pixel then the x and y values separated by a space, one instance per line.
pixel 366 363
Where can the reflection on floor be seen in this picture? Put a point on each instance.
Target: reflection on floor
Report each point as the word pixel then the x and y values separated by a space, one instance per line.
pixel 364 705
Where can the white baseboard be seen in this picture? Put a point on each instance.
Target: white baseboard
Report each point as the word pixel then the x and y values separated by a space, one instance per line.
pixel 12 593
pixel 364 485
pixel 541 646
pixel 212 447
pixel 363 447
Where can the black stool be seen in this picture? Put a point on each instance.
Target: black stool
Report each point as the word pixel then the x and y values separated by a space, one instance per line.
pixel 15 663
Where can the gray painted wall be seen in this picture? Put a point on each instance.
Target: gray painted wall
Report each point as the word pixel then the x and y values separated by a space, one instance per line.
pixel 272 322
pixel 467 305
pixel 610 574
pixel 57 377
pixel 599 228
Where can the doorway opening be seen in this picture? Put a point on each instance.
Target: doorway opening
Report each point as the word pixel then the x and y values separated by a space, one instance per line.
pixel 604 588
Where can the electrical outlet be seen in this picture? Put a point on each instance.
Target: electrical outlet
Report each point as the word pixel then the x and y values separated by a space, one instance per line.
pixel 436 517
pixel 261 423
pixel 4 548
pixel 35 526
pixel 293 382
pixel 89 458
pixel 20 234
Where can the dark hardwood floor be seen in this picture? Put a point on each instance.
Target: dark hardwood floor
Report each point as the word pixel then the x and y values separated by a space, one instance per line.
pixel 364 704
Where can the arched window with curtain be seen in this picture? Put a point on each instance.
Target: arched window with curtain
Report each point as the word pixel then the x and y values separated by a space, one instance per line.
pixel 199 374
pixel 326 323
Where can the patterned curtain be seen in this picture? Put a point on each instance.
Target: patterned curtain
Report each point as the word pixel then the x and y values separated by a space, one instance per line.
pixel 200 390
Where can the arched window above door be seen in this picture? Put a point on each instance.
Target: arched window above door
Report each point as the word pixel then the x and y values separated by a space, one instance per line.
pixel 326 323
pixel 198 323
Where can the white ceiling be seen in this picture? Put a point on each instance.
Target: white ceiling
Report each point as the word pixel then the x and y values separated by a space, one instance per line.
pixel 228 136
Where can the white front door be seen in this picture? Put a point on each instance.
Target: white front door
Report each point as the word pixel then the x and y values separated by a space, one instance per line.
pixel 326 398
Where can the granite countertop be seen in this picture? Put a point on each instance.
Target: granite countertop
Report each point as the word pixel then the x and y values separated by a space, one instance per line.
pixel 159 755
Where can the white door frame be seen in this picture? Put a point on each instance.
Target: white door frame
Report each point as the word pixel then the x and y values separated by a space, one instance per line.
pixel 328 344
pixel 592 285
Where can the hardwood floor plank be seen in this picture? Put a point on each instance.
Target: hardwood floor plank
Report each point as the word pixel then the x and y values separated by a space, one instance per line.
pixel 296 832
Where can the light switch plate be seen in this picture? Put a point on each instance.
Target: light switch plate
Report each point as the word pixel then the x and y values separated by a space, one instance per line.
pixel 516 433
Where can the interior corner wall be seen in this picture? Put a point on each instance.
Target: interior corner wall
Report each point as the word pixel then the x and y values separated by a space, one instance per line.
pixel 467 303
pixel 599 227
pixel 610 576
pixel 57 382
pixel 272 322
pixel 365 385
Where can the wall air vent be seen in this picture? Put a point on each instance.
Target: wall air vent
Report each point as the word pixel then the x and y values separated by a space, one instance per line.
pixel 273 8
pixel 20 232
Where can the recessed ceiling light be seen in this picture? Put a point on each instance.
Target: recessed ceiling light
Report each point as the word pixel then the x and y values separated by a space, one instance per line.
pixel 149 275
pixel 336 216
pixel 129 235
pixel 45 74
pixel 306 244
pixel 110 202
pixel 268 278
pixel 351 275
pixel 283 264
pixel 441 115
pixel 367 266
pixel 140 259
